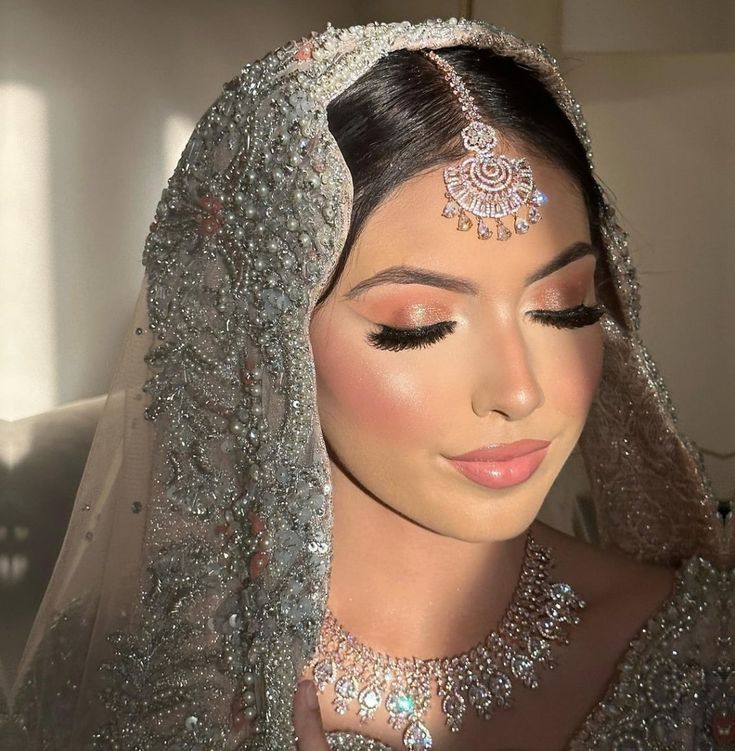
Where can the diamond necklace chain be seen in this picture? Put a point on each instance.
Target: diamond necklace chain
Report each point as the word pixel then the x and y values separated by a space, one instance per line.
pixel 539 614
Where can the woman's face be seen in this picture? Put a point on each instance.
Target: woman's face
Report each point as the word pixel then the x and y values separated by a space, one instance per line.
pixel 392 414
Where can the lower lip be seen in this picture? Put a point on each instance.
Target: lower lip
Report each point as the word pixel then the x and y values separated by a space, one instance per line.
pixel 502 474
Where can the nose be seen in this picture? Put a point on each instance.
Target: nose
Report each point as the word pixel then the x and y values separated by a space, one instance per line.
pixel 506 382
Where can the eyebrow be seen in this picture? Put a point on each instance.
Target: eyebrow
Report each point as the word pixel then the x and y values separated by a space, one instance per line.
pixel 414 275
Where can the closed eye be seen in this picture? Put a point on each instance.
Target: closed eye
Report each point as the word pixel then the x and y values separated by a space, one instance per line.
pixel 397 339
pixel 422 336
pixel 570 318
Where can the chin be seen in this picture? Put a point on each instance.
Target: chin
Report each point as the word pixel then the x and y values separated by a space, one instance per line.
pixel 491 521
pixel 493 529
pixel 481 515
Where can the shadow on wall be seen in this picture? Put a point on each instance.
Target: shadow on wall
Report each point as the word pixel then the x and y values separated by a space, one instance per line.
pixel 103 80
pixel 41 463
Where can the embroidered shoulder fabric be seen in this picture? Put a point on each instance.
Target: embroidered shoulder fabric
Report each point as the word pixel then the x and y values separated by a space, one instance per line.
pixel 674 686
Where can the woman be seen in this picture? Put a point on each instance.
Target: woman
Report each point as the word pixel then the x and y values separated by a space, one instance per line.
pixel 319 349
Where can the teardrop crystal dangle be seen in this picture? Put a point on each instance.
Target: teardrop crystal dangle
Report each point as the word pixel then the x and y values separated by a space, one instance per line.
pixel 345 690
pixel 521 226
pixel 502 232
pixel 483 231
pixel 464 222
pixel 369 701
pixel 324 673
pixel 451 209
pixel 417 737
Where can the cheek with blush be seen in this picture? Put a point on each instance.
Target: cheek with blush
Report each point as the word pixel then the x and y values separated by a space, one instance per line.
pixel 571 359
pixel 573 367
pixel 360 388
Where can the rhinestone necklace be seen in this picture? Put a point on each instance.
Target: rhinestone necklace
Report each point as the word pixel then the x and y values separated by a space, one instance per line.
pixel 540 613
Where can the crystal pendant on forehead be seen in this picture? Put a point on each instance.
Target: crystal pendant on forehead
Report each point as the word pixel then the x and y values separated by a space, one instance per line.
pixel 487 184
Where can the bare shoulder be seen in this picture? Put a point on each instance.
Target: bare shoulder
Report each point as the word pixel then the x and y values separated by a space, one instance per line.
pixel 613 584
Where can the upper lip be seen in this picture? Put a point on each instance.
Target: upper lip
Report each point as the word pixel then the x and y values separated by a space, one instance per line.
pixel 500 452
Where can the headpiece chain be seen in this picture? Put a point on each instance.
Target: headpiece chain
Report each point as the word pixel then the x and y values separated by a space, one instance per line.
pixel 486 184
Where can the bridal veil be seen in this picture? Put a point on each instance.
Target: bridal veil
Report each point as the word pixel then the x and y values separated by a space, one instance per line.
pixel 193 578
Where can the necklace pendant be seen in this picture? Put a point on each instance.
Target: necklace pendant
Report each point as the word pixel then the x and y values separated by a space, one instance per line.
pixel 324 672
pixel 417 737
pixel 454 708
pixel 369 701
pixel 501 687
pixel 482 700
pixel 345 690
pixel 400 706
pixel 482 678
pixel 522 667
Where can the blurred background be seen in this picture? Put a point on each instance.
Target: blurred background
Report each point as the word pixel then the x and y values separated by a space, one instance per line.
pixel 97 100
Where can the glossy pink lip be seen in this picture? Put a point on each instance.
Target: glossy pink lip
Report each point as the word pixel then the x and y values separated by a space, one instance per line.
pixel 503 465
pixel 501 452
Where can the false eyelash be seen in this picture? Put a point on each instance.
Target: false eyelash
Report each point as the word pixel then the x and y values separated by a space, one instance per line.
pixel 398 339
pixel 571 318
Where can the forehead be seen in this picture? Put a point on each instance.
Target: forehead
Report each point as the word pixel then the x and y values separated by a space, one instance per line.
pixel 408 228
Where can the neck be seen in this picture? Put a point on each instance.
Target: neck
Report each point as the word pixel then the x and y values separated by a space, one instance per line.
pixel 408 591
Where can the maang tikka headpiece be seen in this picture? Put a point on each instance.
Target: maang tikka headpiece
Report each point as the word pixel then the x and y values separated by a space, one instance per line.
pixel 486 184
